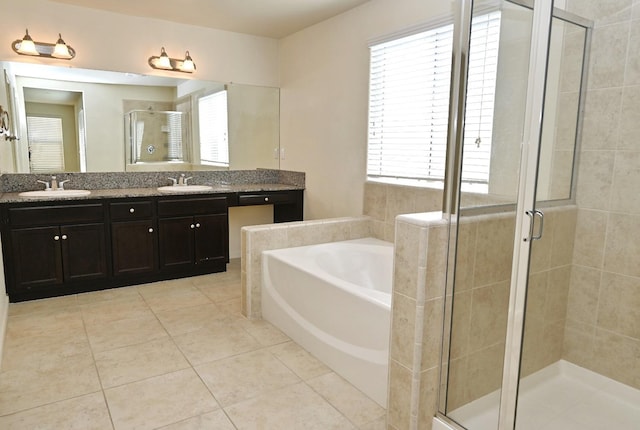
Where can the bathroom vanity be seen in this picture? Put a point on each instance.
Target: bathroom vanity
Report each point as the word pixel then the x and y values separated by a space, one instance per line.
pixel 117 237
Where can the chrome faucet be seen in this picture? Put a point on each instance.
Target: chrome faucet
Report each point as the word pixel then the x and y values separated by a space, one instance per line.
pixel 182 180
pixel 54 183
pixel 47 187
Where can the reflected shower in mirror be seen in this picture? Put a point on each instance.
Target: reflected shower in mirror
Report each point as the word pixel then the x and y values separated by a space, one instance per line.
pixel 96 131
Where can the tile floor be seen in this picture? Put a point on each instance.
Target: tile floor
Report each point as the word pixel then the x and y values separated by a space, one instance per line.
pixel 562 396
pixel 168 355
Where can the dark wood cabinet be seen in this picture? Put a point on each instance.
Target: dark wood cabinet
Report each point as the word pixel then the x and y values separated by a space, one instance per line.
pixel 193 232
pixel 134 247
pixel 134 240
pixel 37 258
pixel 44 257
pixel 62 247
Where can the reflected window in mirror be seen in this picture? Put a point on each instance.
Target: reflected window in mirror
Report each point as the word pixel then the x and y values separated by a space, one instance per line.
pixel 46 144
pixel 214 129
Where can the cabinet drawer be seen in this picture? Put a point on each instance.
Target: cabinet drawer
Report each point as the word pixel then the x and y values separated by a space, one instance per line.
pixel 264 198
pixel 51 215
pixel 131 210
pixel 195 206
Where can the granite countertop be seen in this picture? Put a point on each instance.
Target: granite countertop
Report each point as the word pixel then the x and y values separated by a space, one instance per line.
pixel 14 197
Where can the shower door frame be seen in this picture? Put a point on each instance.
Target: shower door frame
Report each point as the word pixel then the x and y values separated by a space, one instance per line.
pixel 543 14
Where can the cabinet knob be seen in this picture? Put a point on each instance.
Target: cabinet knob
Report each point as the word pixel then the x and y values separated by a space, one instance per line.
pixel 132 210
pixel 56 237
pixel 197 225
pixel 193 226
pixel 150 230
pixel 266 199
pixel 64 237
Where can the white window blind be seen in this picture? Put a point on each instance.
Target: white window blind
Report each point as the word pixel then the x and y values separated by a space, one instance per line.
pixel 46 150
pixel 481 89
pixel 409 103
pixel 214 141
pixel 174 123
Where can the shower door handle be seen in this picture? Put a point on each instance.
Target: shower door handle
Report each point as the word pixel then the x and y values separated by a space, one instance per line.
pixel 532 215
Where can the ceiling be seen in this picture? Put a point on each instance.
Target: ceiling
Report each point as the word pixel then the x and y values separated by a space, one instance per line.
pixel 268 18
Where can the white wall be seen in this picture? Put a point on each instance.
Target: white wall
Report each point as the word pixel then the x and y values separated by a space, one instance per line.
pixel 324 77
pixel 109 41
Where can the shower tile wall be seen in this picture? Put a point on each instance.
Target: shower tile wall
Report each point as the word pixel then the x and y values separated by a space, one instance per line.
pixel 383 202
pixel 481 300
pixel 416 320
pixel 603 313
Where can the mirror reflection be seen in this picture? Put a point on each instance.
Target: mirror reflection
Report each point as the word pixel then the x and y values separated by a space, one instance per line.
pixel 76 120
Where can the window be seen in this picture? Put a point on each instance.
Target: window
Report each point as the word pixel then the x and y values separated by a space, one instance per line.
pixel 409 103
pixel 174 126
pixel 46 150
pixel 212 120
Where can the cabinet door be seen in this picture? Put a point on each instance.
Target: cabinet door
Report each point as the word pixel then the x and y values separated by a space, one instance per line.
pixel 84 252
pixel 176 242
pixel 134 247
pixel 211 239
pixel 37 257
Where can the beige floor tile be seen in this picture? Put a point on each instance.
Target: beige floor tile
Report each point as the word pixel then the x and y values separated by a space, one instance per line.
pixel 296 358
pixel 217 420
pixel 88 412
pixel 244 376
pixel 24 389
pixel 293 407
pixel 231 307
pixel 221 291
pixel 43 305
pixel 264 332
pixel 124 332
pixel 54 321
pixel 164 287
pixel 159 401
pixel 353 404
pixel 174 298
pixel 109 294
pixel 185 320
pixel 134 363
pixel 109 311
pixel 379 424
pixel 32 352
pixel 215 343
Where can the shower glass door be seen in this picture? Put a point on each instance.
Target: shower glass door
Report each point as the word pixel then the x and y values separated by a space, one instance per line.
pixel 551 256
pixel 502 118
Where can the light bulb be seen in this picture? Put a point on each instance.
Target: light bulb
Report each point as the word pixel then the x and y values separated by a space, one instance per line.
pixel 61 50
pixel 27 47
pixel 188 65
pixel 163 62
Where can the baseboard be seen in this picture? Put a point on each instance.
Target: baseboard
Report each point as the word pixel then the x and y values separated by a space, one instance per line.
pixel 4 314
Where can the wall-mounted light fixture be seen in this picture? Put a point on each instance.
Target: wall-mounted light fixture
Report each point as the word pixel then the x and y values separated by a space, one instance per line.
pixel 27 46
pixel 163 62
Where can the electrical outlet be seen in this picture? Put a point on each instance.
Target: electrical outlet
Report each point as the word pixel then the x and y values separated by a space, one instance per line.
pixel 282 156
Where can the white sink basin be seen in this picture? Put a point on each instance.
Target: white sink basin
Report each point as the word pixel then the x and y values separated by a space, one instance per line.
pixel 177 189
pixel 55 194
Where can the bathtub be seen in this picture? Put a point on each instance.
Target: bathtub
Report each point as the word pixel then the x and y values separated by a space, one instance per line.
pixel 334 300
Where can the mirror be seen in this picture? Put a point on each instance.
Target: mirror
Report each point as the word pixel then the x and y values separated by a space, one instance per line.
pixel 88 110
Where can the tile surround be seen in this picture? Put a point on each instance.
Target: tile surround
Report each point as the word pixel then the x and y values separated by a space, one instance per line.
pixel 600 332
pixel 255 239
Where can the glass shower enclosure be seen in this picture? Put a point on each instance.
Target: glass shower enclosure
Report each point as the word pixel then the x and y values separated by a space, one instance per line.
pixel 157 136
pixel 510 246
